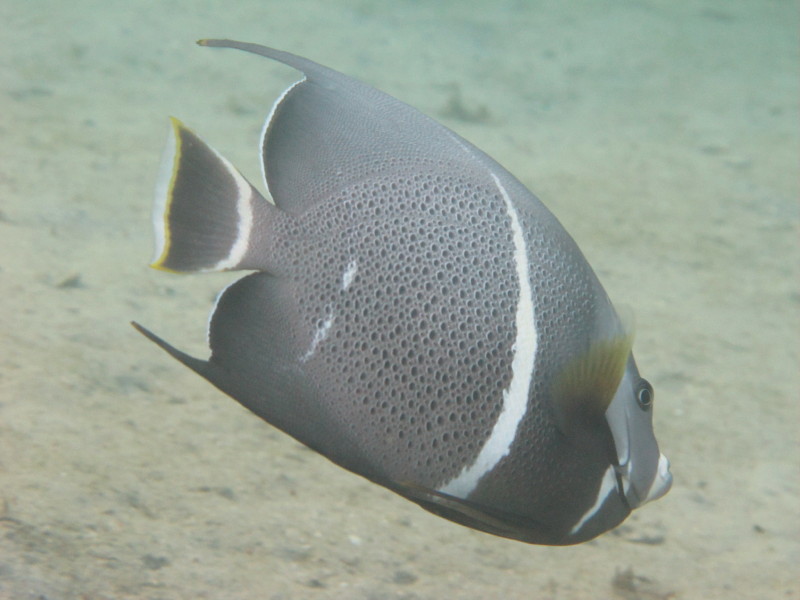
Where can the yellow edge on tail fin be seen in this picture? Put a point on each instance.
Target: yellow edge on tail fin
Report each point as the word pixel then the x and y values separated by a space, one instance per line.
pixel 168 174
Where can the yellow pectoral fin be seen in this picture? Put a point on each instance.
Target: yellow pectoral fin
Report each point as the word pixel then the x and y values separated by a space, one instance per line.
pixel 587 384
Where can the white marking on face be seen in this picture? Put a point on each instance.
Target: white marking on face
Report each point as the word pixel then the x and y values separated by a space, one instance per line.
pixel 515 398
pixel 607 486
pixel 663 481
pixel 349 274
pixel 643 480
pixel 319 336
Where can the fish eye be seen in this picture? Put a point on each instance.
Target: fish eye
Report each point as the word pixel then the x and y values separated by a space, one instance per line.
pixel 644 395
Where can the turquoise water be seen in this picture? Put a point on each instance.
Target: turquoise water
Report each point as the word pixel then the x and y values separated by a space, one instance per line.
pixel 665 137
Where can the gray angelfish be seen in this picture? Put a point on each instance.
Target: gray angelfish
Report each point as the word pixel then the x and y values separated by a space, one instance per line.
pixel 416 315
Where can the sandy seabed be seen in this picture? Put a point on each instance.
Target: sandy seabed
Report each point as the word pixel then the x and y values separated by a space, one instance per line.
pixel 665 137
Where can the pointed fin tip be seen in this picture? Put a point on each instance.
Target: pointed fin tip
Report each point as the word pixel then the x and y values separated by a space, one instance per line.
pixel 287 58
pixel 146 332
pixel 195 364
pixel 225 43
pixel 221 43
pixel 156 340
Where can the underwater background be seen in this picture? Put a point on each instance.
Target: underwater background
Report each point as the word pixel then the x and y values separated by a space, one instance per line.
pixel 665 137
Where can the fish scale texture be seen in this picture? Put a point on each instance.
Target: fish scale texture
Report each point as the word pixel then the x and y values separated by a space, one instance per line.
pixel 419 344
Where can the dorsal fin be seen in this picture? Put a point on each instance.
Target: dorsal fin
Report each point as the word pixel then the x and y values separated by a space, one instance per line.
pixel 329 130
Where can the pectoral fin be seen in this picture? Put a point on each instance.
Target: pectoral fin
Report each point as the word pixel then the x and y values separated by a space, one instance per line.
pixel 587 384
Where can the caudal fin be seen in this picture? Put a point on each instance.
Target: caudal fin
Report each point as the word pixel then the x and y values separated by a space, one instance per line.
pixel 205 211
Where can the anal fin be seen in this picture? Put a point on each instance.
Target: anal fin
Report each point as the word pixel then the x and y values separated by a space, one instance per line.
pixel 195 364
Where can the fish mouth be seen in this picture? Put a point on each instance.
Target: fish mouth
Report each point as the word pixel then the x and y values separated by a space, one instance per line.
pixel 636 496
pixel 662 482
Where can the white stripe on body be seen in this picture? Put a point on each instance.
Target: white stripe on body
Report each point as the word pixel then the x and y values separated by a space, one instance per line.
pixel 607 486
pixel 515 398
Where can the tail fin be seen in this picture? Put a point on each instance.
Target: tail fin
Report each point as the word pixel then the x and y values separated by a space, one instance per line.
pixel 205 211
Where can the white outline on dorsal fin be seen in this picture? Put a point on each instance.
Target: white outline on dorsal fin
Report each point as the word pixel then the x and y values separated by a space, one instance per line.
pixel 264 129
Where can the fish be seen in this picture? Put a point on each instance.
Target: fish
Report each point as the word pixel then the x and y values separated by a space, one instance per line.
pixel 414 314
